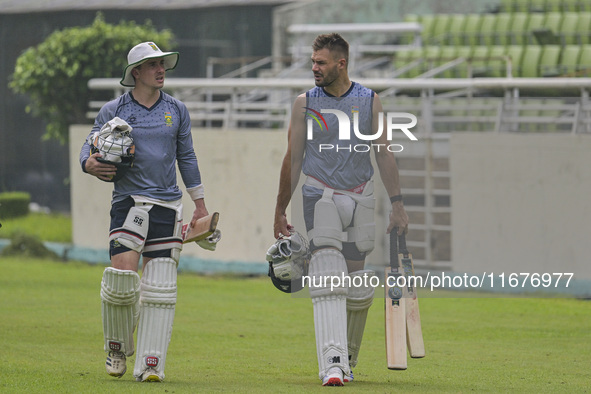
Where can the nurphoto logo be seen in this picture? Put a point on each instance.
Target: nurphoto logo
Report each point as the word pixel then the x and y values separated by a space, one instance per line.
pixel 395 121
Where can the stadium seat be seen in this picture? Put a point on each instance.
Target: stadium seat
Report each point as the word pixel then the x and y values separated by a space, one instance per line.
pixel 456 29
pixel 584 67
pixel 504 27
pixel 488 29
pixel 516 30
pixel 554 5
pixel 568 29
pixel 584 27
pixel 448 53
pixel 471 30
pixel 479 61
pixel 548 64
pixel 535 21
pixel 515 55
pixel 530 61
pixel 497 64
pixel 440 29
pixel 569 59
pixel 427 21
pixel 405 60
pixel 549 32
pixel 431 54
pixel 569 5
pixel 464 51
pixel 539 6
pixel 553 21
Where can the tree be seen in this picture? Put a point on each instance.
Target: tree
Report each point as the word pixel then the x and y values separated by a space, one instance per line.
pixel 54 74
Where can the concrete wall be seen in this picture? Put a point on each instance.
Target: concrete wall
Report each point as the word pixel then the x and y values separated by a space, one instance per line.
pixel 521 203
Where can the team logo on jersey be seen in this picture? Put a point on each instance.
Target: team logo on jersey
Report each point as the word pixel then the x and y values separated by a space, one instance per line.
pixel 354 110
pixel 168 118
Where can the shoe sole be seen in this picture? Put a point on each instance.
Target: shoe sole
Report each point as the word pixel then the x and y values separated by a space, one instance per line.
pixel 117 375
pixel 152 378
pixel 334 382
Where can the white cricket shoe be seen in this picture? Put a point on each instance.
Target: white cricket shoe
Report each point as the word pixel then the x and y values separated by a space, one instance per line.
pixel 116 364
pixel 334 377
pixel 150 375
pixel 348 378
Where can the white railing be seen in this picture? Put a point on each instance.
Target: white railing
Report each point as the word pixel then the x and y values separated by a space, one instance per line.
pixel 266 102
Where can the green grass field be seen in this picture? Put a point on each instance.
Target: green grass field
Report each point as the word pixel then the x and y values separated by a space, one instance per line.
pixel 241 335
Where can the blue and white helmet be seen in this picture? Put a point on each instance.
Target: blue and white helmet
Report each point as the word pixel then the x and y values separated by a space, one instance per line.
pixel 289 258
pixel 115 144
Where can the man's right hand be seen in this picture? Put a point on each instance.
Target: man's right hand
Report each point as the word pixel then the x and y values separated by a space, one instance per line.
pixel 102 171
pixel 281 227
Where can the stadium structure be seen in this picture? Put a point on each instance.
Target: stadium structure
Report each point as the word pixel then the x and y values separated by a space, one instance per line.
pixel 520 67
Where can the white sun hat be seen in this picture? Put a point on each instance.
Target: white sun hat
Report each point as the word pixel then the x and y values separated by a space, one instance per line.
pixel 143 52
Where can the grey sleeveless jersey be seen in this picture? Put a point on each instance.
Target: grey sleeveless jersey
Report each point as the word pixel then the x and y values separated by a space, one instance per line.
pixel 338 163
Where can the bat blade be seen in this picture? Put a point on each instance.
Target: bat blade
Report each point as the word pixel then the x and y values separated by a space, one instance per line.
pixel 414 331
pixel 395 310
pixel 204 227
pixel 395 322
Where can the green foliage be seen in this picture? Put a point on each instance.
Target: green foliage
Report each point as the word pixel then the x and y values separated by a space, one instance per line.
pixel 53 227
pixel 14 204
pixel 54 74
pixel 25 245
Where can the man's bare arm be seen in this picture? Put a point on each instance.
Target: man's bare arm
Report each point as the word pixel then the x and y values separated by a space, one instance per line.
pixel 291 166
pixel 389 173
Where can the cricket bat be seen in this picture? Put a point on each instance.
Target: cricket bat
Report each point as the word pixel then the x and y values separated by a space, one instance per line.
pixel 414 332
pixel 204 227
pixel 395 310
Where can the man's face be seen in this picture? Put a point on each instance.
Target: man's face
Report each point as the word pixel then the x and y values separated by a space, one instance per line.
pixel 324 67
pixel 150 73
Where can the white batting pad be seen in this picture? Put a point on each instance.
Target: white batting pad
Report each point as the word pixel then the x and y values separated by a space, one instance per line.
pixel 359 299
pixel 328 228
pixel 157 303
pixel 330 316
pixel 120 308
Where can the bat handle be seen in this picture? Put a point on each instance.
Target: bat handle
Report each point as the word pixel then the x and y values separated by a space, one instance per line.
pixel 402 244
pixel 394 248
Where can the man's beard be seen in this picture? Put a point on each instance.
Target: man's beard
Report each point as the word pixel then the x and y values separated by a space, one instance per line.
pixel 327 79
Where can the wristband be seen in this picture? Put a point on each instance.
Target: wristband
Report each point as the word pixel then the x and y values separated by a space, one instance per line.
pixel 395 198
pixel 196 192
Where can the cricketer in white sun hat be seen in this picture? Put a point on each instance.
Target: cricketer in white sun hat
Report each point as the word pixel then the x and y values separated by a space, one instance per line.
pixel 143 52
